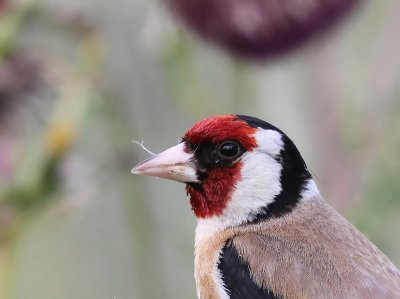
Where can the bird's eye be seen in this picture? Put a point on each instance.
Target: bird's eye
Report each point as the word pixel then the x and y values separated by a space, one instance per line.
pixel 229 150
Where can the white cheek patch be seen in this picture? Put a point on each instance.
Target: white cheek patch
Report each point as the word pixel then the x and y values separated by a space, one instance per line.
pixel 269 142
pixel 258 186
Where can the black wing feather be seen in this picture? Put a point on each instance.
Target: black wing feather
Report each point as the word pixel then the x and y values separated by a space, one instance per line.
pixel 237 278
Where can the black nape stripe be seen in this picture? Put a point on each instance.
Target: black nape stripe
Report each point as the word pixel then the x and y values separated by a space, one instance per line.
pixel 237 278
pixel 255 122
pixel 294 175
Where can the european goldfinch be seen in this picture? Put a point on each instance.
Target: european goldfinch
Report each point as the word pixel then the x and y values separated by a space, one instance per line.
pixel 264 231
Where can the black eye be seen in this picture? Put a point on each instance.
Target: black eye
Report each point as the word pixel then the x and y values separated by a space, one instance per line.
pixel 229 150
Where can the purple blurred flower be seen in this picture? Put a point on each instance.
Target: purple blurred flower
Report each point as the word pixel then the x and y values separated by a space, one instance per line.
pixel 260 28
pixel 20 77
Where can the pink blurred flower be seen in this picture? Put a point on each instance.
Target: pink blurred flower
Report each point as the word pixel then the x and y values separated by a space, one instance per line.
pixel 3 5
pixel 260 28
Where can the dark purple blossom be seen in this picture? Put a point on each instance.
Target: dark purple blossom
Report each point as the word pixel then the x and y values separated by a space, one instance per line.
pixel 260 28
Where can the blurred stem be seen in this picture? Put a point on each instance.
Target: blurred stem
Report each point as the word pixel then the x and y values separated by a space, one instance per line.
pixel 183 79
pixel 241 95
pixel 10 25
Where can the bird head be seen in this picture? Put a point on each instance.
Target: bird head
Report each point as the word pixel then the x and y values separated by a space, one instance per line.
pixel 237 169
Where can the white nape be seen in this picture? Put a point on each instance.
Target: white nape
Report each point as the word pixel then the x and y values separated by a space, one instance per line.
pixel 311 191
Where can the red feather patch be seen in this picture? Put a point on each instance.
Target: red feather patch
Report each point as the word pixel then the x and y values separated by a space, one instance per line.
pixel 220 128
pixel 217 190
pixel 220 183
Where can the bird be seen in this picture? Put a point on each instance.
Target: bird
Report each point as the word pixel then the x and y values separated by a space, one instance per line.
pixel 263 228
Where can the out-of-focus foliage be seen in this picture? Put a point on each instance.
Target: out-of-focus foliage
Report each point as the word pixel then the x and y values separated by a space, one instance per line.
pixel 79 80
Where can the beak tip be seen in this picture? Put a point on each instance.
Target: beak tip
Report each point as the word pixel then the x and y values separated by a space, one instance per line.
pixel 135 170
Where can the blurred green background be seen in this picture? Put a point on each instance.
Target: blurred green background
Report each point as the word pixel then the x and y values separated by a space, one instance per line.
pixel 80 80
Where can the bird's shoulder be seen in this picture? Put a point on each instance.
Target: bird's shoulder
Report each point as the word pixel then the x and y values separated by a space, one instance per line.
pixel 314 253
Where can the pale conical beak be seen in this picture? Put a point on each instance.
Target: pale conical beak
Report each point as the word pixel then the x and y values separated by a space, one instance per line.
pixel 173 164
